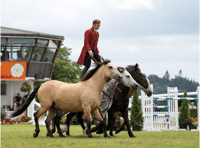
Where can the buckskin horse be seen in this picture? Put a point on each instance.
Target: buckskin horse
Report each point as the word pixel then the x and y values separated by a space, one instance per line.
pixel 84 96
pixel 127 80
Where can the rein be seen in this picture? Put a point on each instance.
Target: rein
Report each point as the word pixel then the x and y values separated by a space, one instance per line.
pixel 110 80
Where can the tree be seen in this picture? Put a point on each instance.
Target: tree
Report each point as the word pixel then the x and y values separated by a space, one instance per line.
pixel 184 111
pixel 136 111
pixel 180 73
pixel 167 75
pixel 66 70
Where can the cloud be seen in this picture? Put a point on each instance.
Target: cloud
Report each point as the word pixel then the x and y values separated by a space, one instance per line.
pixel 159 35
pixel 131 4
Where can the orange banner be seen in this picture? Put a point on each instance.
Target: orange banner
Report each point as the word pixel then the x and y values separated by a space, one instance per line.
pixel 13 70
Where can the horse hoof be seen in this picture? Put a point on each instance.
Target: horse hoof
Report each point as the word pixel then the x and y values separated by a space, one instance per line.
pixel 132 136
pixel 107 137
pixel 90 136
pixel 117 131
pixel 68 135
pixel 49 135
pixel 61 135
pixel 35 135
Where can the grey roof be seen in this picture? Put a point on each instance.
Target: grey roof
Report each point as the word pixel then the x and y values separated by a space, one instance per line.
pixel 5 31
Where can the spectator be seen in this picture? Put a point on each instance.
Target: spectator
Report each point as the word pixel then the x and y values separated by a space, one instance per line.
pixel 27 57
pixel 23 100
pixel 35 58
pixel 6 108
pixel 18 98
pixel 27 95
pixel 14 108
pixel 192 106
pixel 19 58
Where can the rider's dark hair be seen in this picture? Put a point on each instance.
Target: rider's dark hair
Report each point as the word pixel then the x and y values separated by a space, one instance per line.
pixel 96 21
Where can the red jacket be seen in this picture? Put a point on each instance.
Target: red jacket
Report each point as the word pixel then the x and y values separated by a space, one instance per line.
pixel 90 43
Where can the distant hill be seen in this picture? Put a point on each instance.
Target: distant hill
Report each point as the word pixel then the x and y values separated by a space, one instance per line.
pixel 160 84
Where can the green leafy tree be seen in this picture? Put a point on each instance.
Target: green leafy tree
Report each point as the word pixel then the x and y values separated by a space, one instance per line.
pixel 136 111
pixel 180 73
pixel 184 110
pixel 167 75
pixel 66 70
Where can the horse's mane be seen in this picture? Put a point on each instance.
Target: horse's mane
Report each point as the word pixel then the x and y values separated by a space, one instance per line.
pixel 132 67
pixel 91 72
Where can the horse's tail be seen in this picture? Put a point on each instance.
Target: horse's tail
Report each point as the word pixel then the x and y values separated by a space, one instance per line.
pixel 24 106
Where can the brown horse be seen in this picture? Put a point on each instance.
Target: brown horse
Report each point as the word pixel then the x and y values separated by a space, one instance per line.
pixel 84 96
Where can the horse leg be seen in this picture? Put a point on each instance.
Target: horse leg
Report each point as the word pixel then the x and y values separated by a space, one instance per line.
pixel 58 118
pixel 69 117
pixel 111 121
pixel 54 124
pixel 98 115
pixel 120 129
pixel 86 119
pixel 126 121
pixel 56 121
pixel 98 128
pixel 80 120
pixel 36 117
pixel 50 116
pixel 111 126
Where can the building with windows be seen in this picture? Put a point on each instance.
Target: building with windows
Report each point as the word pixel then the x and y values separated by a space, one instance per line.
pixel 26 56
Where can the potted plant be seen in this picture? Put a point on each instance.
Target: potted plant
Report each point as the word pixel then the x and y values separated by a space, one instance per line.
pixel 25 87
pixel 184 112
pixel 136 113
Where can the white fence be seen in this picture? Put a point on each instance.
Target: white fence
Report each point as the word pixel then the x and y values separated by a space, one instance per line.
pixel 164 120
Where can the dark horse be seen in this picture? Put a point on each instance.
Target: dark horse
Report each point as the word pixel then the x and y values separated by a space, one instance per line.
pixel 120 103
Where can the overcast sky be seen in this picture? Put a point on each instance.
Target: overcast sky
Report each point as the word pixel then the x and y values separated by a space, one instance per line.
pixel 159 35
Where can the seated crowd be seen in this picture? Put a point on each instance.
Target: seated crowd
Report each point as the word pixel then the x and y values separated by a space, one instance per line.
pixel 18 101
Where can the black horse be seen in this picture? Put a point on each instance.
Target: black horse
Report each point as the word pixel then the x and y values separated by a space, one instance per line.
pixel 121 107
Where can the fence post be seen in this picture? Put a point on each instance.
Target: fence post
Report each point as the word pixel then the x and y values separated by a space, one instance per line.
pixel 143 108
pixel 152 108
pixel 176 109
pixel 198 107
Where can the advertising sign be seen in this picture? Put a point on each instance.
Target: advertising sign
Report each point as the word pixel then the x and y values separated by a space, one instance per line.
pixel 13 70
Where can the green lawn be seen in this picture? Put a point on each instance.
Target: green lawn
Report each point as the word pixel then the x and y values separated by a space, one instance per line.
pixel 21 136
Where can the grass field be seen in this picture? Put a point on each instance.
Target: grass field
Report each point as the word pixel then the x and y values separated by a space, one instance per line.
pixel 21 136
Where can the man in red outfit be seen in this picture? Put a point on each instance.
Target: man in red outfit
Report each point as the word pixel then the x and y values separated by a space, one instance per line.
pixel 90 48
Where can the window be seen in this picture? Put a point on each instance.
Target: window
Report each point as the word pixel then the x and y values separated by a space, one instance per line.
pixel 42 42
pixel 49 55
pixel 18 53
pixel 3 41
pixel 26 52
pixel 37 54
pixel 14 54
pixel 3 89
pixel 21 42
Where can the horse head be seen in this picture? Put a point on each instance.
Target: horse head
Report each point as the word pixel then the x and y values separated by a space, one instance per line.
pixel 111 71
pixel 140 78
pixel 127 79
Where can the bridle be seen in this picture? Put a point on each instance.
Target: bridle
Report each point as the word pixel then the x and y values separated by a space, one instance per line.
pixel 110 80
